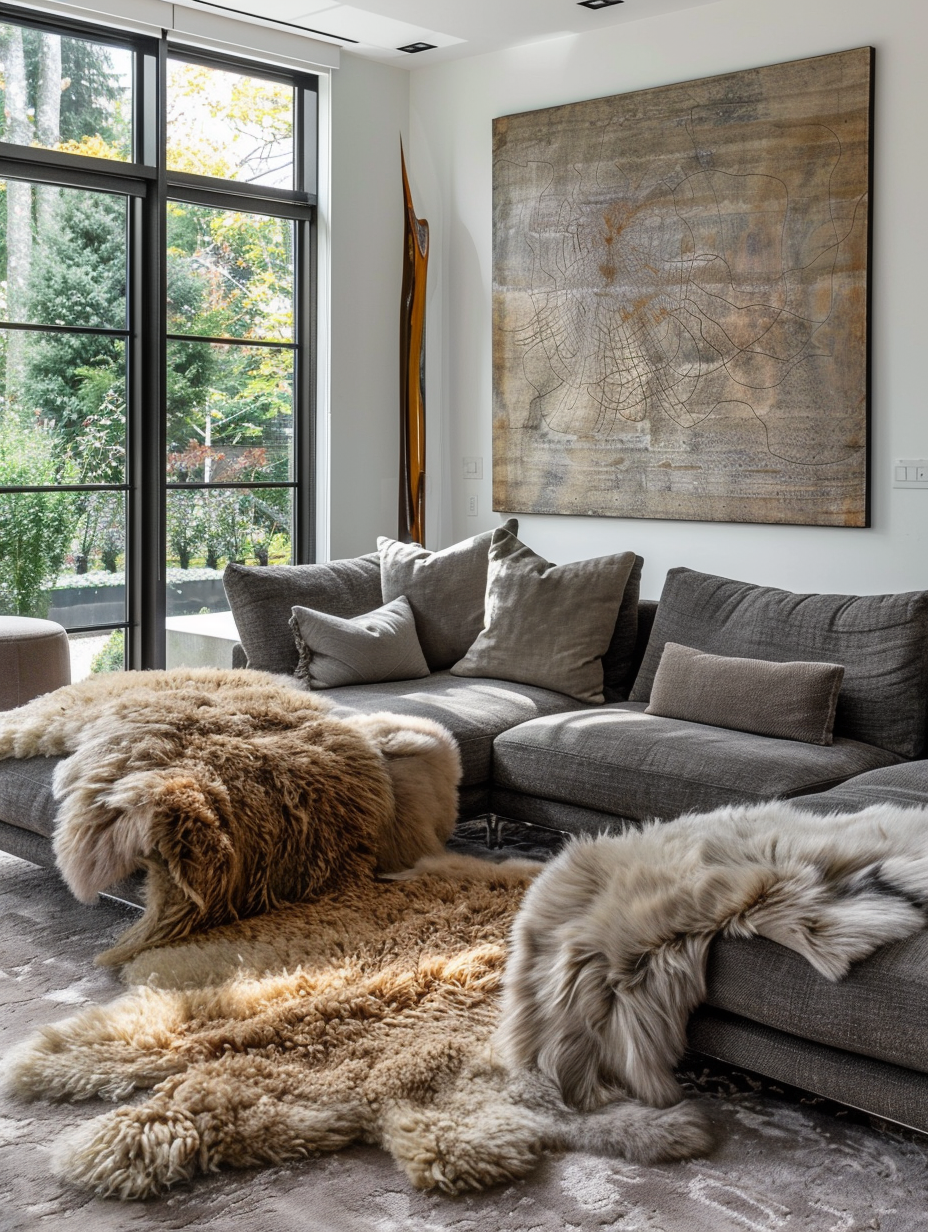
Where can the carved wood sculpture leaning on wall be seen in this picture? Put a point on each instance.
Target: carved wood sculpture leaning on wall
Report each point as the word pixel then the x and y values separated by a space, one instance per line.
pixel 412 372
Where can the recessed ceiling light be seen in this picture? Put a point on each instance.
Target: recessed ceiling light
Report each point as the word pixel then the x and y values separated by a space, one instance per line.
pixel 598 4
pixel 414 47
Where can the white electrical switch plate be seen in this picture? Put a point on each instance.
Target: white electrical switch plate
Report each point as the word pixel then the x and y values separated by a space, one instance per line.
pixel 910 473
pixel 473 468
pixel 472 506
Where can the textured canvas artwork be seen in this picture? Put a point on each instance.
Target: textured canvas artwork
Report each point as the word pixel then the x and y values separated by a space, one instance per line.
pixel 680 303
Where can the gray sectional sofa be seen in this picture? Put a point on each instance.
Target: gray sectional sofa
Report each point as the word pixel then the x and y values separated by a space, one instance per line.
pixel 539 756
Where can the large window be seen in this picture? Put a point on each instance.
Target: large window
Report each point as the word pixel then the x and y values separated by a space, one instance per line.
pixel 156 366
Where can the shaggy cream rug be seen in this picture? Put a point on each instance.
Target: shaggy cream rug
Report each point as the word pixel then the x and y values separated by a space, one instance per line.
pixel 364 1016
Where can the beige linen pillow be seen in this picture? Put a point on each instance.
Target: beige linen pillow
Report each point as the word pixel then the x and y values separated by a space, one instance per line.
pixel 547 625
pixel 377 646
pixel 791 701
pixel 445 590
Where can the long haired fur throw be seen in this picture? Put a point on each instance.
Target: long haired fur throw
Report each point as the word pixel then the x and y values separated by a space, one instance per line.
pixel 236 790
pixel 608 953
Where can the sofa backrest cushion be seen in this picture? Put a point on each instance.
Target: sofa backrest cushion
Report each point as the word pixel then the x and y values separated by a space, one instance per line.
pixel 262 599
pixel 619 659
pixel 881 640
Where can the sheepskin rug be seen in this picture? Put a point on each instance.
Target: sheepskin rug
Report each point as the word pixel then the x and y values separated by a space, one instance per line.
pixel 237 791
pixel 609 950
pixel 363 1016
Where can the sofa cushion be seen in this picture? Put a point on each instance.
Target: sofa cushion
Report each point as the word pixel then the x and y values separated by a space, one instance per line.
pixel 546 624
pixel 338 650
pixel 445 589
pixel 793 701
pixel 262 599
pixel 881 641
pixel 879 1009
pixel 619 660
pixel 26 798
pixel 474 711
pixel 622 761
pixel 904 785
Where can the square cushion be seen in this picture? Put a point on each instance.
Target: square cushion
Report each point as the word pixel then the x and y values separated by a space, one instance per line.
pixel 446 591
pixel 474 711
pixel 262 599
pixel 622 761
pixel 545 624
pixel 880 640
pixel 905 785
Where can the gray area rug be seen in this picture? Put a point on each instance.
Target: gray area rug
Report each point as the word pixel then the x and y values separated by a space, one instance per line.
pixel 778 1165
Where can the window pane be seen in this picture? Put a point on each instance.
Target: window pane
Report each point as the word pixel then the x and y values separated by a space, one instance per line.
pixel 230 413
pixel 62 408
pixel 230 274
pixel 228 125
pixel 63 254
pixel 92 654
pixel 209 527
pixel 62 555
pixel 62 93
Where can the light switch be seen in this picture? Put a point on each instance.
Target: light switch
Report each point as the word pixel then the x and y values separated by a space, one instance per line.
pixel 900 474
pixel 910 473
pixel 473 468
pixel 472 506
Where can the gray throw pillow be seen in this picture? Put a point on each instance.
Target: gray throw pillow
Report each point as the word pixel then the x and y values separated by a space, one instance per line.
pixel 547 625
pixel 882 640
pixel 377 646
pixel 445 589
pixel 791 701
pixel 262 599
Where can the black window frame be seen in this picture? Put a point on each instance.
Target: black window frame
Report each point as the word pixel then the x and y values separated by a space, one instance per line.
pixel 148 185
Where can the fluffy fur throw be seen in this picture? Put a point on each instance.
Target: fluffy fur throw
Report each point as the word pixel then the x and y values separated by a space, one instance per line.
pixel 364 1016
pixel 236 790
pixel 609 951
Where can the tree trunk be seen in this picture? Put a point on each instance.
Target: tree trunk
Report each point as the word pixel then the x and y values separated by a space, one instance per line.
pixel 48 126
pixel 19 213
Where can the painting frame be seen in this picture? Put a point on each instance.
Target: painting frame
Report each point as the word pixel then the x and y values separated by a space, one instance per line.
pixel 681 300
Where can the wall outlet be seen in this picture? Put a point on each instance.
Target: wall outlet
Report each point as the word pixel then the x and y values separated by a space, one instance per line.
pixel 910 473
pixel 472 506
pixel 473 468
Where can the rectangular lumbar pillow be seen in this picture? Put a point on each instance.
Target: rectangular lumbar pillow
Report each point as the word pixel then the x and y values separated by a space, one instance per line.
pixel 882 640
pixel 547 625
pixel 445 589
pixel 377 646
pixel 262 599
pixel 791 701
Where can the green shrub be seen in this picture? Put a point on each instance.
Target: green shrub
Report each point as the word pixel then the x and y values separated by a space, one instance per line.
pixel 112 655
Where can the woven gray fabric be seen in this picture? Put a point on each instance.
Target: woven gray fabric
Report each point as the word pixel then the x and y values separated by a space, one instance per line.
pixel 380 645
pixel 622 761
pixel 262 600
pixel 569 818
pixel 881 640
pixel 904 785
pixel 879 1009
pixel 446 591
pixel 619 659
pixel 791 701
pixel 26 799
pixel 474 711
pixel 882 1089
pixel 547 625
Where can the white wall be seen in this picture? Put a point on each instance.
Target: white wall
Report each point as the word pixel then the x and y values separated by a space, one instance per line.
pixel 364 221
pixel 451 111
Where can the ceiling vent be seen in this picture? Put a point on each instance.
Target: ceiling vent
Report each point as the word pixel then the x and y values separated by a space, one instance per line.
pixel 598 4
pixel 412 48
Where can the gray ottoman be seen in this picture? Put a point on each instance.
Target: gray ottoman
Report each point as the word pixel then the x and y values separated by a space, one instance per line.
pixel 34 659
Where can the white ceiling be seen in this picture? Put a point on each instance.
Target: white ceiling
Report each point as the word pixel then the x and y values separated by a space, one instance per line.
pixel 458 28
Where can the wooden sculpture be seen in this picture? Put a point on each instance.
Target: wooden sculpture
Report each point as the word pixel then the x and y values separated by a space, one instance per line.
pixel 412 371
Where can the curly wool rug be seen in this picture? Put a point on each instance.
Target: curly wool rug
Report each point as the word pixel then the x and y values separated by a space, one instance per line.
pixel 364 1016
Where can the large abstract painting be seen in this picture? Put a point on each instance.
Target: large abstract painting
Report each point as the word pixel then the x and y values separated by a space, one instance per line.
pixel 680 288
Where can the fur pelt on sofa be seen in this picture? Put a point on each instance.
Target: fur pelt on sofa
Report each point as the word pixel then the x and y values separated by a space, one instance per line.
pixel 608 953
pixel 236 790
